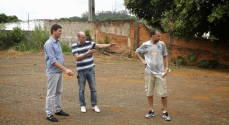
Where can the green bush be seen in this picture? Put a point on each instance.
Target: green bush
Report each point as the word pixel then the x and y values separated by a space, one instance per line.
pixel 106 40
pixel 65 48
pixel 17 35
pixel 191 57
pixel 2 26
pixel 223 66
pixel 17 39
pixel 88 36
pixel 203 63
pixel 3 36
pixel 38 37
pixel 5 40
pixel 173 60
pixel 212 63
pixel 180 60
pixel 207 63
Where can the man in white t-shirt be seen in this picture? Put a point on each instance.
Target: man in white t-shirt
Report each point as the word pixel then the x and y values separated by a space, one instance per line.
pixel 155 52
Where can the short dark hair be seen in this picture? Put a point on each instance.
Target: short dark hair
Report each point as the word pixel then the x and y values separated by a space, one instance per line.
pixel 55 27
pixel 153 32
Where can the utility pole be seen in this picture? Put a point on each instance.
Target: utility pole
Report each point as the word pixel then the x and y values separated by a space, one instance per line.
pixel 28 22
pixel 115 6
pixel 91 10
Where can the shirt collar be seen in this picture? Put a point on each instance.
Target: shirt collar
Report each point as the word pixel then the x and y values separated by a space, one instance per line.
pixel 54 40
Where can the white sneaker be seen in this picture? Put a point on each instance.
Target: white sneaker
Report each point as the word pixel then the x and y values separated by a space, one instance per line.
pixel 96 108
pixel 83 109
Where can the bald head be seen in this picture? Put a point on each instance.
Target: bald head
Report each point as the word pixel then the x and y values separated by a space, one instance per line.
pixel 80 33
pixel 81 37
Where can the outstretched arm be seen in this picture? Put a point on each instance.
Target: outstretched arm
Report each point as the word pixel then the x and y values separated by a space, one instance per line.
pixel 100 46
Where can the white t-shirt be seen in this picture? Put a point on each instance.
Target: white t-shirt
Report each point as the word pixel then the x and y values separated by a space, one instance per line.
pixel 153 54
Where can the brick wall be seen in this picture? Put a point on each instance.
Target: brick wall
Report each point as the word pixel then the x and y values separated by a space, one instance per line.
pixel 204 48
pixel 114 31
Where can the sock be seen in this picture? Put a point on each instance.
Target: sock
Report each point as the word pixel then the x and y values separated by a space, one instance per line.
pixel 164 111
pixel 152 110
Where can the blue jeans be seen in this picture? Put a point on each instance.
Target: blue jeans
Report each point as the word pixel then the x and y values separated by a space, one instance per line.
pixel 89 75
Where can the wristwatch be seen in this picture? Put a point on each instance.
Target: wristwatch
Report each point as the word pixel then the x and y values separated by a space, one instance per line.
pixel 167 69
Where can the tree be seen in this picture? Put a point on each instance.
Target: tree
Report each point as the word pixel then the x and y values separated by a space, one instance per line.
pixel 6 19
pixel 150 10
pixel 189 18
pixel 65 19
pixel 104 15
pixel 112 15
pixel 18 35
pixel 88 36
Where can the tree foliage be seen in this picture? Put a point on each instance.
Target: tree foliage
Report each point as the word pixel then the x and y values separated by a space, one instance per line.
pixel 88 36
pixel 38 37
pixel 103 15
pixel 6 19
pixel 189 18
pixel 18 35
pixel 112 15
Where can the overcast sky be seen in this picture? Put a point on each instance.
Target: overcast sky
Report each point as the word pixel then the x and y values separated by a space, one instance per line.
pixel 54 9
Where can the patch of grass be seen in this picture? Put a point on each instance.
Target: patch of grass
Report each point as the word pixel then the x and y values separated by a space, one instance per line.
pixel 24 46
pixel 174 67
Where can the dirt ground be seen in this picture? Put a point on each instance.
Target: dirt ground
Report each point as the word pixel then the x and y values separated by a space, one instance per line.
pixel 195 96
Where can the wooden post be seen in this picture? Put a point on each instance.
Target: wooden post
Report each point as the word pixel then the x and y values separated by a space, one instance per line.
pixel 136 28
pixel 170 47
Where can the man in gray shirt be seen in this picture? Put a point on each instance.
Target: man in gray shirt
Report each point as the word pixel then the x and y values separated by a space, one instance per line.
pixel 54 68
pixel 154 52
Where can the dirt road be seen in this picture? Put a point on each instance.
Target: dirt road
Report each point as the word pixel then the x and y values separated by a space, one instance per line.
pixel 196 96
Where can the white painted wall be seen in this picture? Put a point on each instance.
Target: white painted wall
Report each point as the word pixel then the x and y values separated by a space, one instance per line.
pixel 25 25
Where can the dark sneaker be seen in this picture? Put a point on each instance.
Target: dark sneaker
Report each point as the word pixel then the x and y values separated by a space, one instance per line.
pixel 166 116
pixel 62 113
pixel 150 114
pixel 52 119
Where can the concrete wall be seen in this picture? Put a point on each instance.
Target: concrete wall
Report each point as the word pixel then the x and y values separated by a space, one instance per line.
pixel 129 35
pixel 70 29
pixel 24 25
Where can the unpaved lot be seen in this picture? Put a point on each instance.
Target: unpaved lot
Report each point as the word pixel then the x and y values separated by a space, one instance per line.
pixel 196 96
